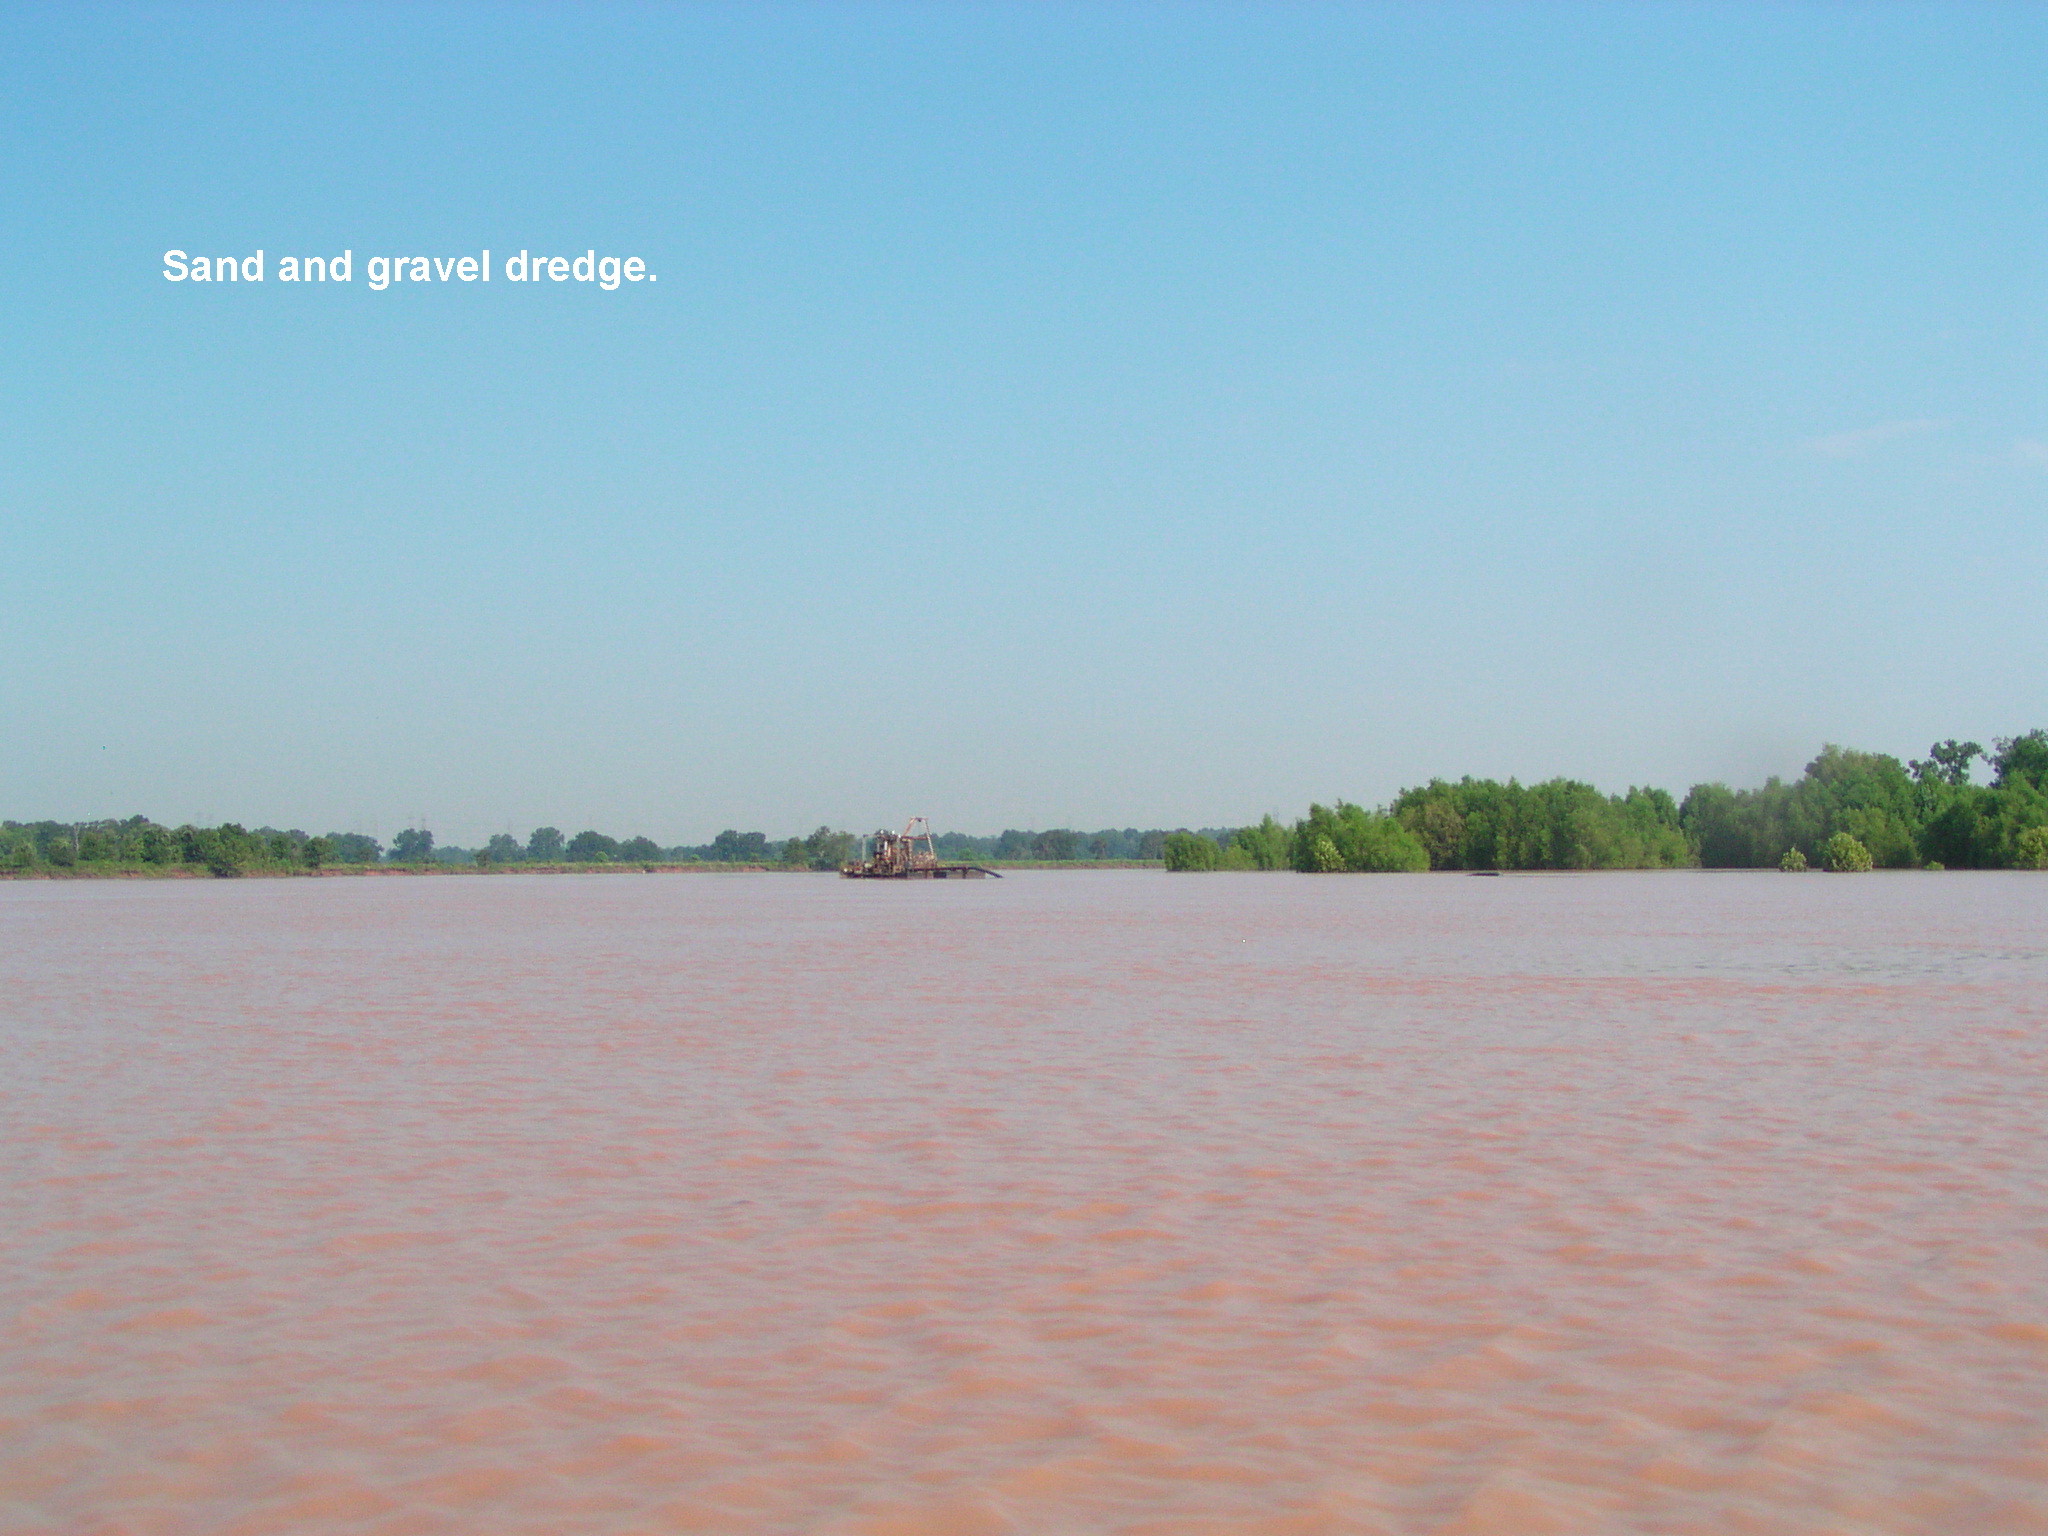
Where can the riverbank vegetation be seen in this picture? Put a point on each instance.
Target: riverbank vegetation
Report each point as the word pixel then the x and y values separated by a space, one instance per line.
pixel 1849 810
pixel 140 847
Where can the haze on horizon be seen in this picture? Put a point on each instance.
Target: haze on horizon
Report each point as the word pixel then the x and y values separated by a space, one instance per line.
pixel 1046 416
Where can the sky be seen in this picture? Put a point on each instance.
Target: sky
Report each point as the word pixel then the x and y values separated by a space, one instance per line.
pixel 1037 415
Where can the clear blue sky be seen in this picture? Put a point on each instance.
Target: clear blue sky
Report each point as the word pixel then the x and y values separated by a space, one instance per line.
pixel 1044 416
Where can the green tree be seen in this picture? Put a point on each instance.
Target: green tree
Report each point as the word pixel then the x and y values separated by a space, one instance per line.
pixel 1059 845
pixel 1558 824
pixel 2022 758
pixel 415 845
pixel 827 849
pixel 1866 794
pixel 203 845
pixel 1380 845
pixel 1439 826
pixel 592 847
pixel 1352 839
pixel 226 850
pixel 1793 862
pixel 640 850
pixel 731 847
pixel 1949 761
pixel 1869 796
pixel 545 846
pixel 1264 846
pixel 2030 849
pixel 1190 851
pixel 2019 806
pixel 319 851
pixel 1959 824
pixel 355 848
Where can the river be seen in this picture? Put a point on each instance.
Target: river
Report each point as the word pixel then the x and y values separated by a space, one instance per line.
pixel 1090 1202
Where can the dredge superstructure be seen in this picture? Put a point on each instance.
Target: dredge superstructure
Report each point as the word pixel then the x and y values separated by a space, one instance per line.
pixel 909 855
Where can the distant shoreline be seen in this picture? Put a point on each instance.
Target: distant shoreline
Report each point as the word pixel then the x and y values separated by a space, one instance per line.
pixel 1849 812
pixel 707 867
pixel 142 871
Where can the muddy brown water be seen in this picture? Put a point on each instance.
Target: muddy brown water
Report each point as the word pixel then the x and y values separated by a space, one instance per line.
pixel 1068 1203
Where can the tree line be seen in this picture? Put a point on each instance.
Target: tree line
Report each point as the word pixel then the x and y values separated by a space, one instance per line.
pixel 1848 810
pixel 232 849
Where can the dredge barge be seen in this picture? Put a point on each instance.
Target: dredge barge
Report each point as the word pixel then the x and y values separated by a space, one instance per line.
pixel 909 855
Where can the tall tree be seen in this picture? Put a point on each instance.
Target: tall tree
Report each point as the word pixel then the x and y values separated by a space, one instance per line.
pixel 355 848
pixel 731 847
pixel 415 845
pixel 592 847
pixel 1949 761
pixel 1059 844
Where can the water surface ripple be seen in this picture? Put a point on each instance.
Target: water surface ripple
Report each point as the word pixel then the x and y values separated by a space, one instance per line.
pixel 1069 1203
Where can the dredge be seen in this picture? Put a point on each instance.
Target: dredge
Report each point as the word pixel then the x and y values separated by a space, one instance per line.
pixel 909 855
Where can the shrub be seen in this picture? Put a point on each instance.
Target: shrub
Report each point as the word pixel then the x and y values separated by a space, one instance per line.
pixel 1793 863
pixel 1189 851
pixel 1845 855
pixel 2030 849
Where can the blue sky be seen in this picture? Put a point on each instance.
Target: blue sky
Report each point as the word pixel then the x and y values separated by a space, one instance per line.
pixel 1044 415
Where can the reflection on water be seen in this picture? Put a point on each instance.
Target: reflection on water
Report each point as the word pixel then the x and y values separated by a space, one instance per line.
pixel 1066 1203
